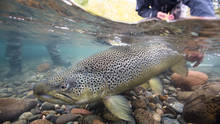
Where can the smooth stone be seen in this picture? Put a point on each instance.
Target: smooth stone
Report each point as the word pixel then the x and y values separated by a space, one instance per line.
pixel 34 117
pixel 12 108
pixel 92 119
pixel 63 119
pixel 60 111
pixel 144 116
pixel 70 122
pixel 175 105
pixel 25 116
pixel 184 95
pixel 47 106
pixel 41 121
pixel 166 120
pixel 6 122
pixel 20 122
pixel 192 79
pixel 203 105
pixel 47 112
pixel 80 111
pixel 35 111
pixel 51 117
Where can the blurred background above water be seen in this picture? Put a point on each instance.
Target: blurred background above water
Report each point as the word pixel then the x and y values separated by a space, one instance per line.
pixel 47 33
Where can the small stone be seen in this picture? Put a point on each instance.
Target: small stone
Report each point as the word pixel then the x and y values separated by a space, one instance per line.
pixel 139 103
pixel 156 117
pixel 171 88
pixel 6 122
pixel 35 111
pixel 47 106
pixel 80 111
pixel 70 122
pixel 41 121
pixel 152 105
pixel 47 112
pixel 63 107
pixel 144 116
pixel 20 122
pixel 25 116
pixel 92 119
pixel 60 111
pixel 57 106
pixel 75 122
pixel 34 117
pixel 163 98
pixel 166 81
pixel 159 111
pixel 166 120
pixel 63 119
pixel 51 117
pixel 43 67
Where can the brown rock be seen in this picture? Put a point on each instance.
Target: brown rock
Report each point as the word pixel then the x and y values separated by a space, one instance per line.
pixel 41 121
pixel 43 67
pixel 80 111
pixel 91 119
pixel 203 106
pixel 12 108
pixel 192 79
pixel 63 119
pixel 144 116
pixel 139 103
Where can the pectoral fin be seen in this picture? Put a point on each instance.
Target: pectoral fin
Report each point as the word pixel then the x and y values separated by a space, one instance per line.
pixel 118 106
pixel 156 85
pixel 180 67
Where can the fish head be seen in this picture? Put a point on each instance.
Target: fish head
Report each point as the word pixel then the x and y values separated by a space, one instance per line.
pixel 59 92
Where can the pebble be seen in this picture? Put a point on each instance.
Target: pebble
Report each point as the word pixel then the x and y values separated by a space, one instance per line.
pixel 159 111
pixel 41 121
pixel 47 112
pixel 47 106
pixel 35 111
pixel 166 120
pixel 51 117
pixel 166 81
pixel 63 119
pixel 6 122
pixel 25 116
pixel 20 122
pixel 80 111
pixel 34 117
pixel 156 117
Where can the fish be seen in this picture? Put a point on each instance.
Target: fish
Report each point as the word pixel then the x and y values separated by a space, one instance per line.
pixel 104 75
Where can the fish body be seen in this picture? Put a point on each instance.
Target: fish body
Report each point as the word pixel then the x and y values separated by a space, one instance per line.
pixel 110 72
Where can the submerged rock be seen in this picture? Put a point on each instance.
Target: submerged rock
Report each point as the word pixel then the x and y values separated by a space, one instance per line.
pixel 43 67
pixel 192 79
pixel 63 119
pixel 144 116
pixel 41 121
pixel 166 120
pixel 12 108
pixel 203 107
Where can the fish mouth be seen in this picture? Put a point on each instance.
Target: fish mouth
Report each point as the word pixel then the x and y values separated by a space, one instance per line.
pixel 44 93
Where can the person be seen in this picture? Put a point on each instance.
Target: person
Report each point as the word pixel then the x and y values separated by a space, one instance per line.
pixel 171 9
pixel 13 52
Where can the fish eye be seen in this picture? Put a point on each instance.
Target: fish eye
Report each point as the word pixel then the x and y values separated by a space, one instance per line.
pixel 64 86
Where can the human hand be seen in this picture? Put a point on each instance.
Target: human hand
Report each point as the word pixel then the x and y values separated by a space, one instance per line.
pixel 164 16
pixel 194 56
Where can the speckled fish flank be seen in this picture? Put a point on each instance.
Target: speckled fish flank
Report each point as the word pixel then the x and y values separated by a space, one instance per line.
pixel 111 72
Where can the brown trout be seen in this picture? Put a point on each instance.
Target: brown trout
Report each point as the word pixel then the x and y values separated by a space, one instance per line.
pixel 103 76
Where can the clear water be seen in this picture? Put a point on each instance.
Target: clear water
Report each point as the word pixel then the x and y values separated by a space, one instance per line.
pixel 80 34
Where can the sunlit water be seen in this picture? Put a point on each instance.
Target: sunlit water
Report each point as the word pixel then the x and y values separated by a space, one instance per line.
pixel 80 34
